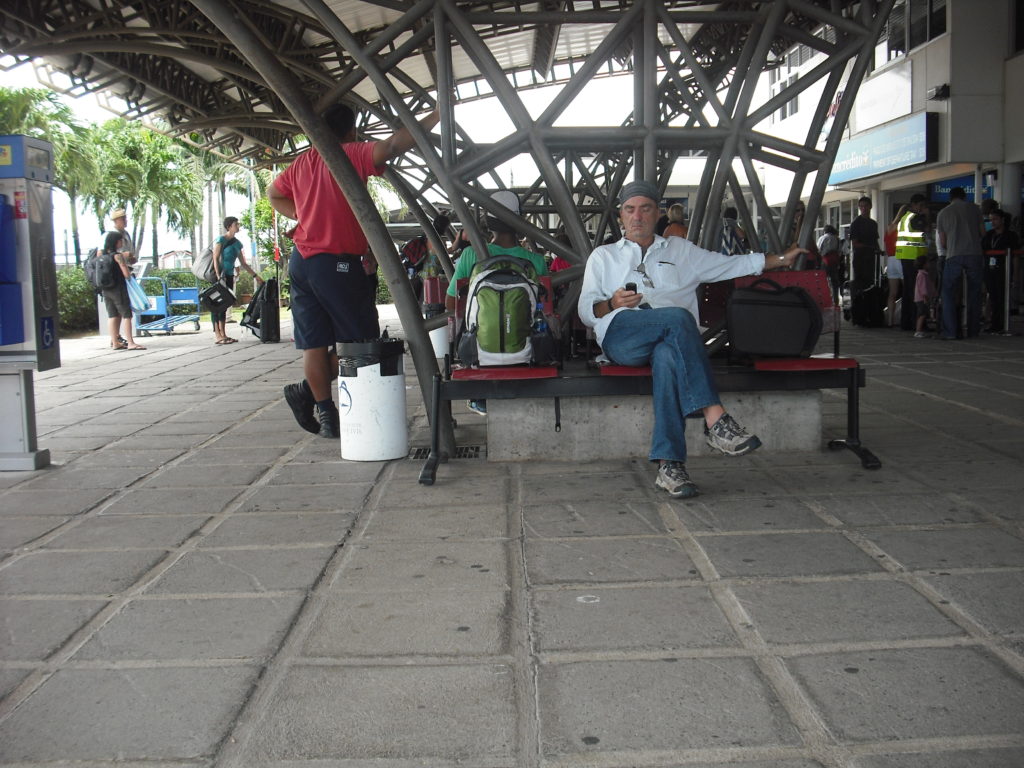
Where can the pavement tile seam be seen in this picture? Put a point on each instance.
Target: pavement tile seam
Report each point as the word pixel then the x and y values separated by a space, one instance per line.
pixel 726 583
pixel 841 527
pixel 77 640
pixel 730 757
pixel 778 679
pixel 963 618
pixel 797 700
pixel 255 709
pixel 936 747
pixel 407 660
pixel 183 663
pixel 523 639
pixel 767 651
pixel 214 595
pixel 973 628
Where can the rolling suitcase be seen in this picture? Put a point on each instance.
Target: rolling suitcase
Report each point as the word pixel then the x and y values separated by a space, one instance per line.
pixel 263 315
pixel 867 307
pixel 869 292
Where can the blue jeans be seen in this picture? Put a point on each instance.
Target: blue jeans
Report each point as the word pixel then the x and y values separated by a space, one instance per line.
pixel 972 266
pixel 669 340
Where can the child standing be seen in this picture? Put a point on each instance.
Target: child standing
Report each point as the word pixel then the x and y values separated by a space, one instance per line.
pixel 924 293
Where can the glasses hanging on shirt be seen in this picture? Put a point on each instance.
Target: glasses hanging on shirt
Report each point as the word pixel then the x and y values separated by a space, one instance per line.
pixel 642 269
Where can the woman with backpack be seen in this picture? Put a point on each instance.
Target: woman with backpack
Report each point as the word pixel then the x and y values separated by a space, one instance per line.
pixel 119 307
pixel 226 250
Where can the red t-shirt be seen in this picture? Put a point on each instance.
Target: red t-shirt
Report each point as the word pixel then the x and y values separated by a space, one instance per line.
pixel 326 221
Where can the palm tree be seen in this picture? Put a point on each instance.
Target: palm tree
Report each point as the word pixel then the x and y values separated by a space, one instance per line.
pixel 77 173
pixel 149 174
pixel 35 112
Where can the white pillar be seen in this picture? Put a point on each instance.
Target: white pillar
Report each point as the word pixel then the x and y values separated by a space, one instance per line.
pixel 1008 192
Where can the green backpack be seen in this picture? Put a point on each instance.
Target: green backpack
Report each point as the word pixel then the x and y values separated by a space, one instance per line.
pixel 502 316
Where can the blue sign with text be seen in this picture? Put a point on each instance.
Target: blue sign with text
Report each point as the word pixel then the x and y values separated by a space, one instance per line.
pixel 938 192
pixel 899 144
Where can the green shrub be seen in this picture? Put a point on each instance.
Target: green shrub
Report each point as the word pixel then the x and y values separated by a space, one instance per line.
pixel 76 301
pixel 383 292
pixel 244 284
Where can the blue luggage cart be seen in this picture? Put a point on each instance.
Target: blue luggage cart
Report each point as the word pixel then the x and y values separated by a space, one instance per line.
pixel 158 317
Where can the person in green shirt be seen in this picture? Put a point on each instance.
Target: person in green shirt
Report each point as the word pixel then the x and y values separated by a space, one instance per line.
pixel 226 250
pixel 504 242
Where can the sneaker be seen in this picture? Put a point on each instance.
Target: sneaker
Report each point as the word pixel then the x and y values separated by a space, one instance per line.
pixel 727 436
pixel 330 423
pixel 477 406
pixel 300 400
pixel 920 335
pixel 673 477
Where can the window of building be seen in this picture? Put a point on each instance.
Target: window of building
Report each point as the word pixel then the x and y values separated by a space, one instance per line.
pixel 911 23
pixel 778 82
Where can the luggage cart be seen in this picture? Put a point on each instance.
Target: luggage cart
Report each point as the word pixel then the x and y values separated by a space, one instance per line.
pixel 160 306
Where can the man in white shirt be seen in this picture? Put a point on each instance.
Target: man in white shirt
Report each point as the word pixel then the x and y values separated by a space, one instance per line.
pixel 120 220
pixel 657 325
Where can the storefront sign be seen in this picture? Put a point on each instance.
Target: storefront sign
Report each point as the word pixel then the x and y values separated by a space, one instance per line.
pixel 899 144
pixel 939 191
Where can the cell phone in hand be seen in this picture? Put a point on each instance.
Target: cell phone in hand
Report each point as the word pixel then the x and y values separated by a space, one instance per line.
pixel 630 287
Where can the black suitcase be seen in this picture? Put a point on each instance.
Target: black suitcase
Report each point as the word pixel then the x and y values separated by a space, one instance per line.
pixel 263 315
pixel 867 307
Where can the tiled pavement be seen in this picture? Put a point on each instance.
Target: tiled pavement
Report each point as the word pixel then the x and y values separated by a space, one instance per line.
pixel 197 582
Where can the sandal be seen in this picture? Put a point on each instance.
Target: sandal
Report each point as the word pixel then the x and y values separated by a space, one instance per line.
pixel 137 346
pixel 221 341
pixel 120 345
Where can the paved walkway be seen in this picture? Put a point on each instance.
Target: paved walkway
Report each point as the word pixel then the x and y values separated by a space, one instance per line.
pixel 197 582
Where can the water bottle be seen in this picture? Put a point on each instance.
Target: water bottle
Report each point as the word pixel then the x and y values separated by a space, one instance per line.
pixel 540 323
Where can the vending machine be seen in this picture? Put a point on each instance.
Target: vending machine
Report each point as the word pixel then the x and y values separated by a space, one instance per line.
pixel 29 316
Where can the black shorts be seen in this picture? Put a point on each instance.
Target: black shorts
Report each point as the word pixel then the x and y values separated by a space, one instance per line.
pixel 332 299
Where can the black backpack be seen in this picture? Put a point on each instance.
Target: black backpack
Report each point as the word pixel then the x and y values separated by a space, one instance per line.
pixel 99 269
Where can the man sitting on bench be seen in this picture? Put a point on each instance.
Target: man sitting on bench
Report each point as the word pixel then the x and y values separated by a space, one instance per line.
pixel 666 335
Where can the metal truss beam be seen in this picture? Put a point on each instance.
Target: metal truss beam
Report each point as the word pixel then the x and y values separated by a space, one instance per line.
pixel 694 65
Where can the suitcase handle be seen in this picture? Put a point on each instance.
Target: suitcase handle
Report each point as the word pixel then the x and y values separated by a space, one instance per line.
pixel 767 281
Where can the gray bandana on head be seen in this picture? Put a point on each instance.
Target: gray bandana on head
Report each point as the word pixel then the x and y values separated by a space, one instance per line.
pixel 638 188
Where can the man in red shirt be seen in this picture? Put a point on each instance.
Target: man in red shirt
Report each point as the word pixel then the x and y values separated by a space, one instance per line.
pixel 332 298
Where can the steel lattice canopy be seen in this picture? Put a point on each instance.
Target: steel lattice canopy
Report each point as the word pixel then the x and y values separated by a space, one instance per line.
pixel 166 63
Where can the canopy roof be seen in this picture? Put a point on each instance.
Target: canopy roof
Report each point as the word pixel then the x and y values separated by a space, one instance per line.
pixel 166 63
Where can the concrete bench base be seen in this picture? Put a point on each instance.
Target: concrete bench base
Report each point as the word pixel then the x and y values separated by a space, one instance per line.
pixel 620 427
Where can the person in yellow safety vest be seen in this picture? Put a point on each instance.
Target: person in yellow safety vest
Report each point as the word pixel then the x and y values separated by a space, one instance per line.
pixel 911 243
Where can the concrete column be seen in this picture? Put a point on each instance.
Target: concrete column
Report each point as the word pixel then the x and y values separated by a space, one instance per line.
pixel 1008 193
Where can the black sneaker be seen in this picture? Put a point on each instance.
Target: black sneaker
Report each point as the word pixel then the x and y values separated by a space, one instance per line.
pixel 330 423
pixel 729 437
pixel 673 477
pixel 300 400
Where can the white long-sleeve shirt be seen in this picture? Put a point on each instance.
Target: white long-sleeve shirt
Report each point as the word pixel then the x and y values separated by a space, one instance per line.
pixel 675 266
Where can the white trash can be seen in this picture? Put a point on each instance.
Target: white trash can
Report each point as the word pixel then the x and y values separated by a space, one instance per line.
pixel 439 341
pixel 371 400
pixel 438 336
